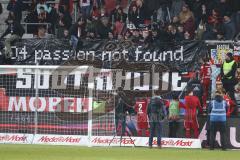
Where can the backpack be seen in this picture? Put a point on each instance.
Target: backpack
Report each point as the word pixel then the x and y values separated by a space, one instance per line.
pixel 157 109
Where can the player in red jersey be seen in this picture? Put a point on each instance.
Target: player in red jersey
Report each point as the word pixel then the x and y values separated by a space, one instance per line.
pixel 192 103
pixel 231 104
pixel 205 77
pixel 142 121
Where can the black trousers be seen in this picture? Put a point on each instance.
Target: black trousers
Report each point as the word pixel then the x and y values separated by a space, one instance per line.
pixel 173 127
pixel 221 127
pixel 229 88
pixel 122 120
pixel 155 127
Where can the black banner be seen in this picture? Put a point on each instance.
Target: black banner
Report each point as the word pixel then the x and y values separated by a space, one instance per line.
pixel 112 54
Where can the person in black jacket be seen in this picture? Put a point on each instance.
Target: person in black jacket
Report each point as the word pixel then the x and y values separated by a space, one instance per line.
pixel 16 30
pixel 156 111
pixel 77 32
pixel 103 28
pixel 64 21
pixel 228 76
pixel 15 7
pixel 133 15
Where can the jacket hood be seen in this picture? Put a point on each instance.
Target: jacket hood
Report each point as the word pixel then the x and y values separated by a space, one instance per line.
pixel 218 98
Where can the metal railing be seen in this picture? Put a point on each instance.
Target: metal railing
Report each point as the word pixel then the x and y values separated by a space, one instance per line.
pixel 25 25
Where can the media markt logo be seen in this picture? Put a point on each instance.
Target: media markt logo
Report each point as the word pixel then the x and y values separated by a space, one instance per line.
pixel 13 138
pixel 175 143
pixel 46 139
pixel 125 141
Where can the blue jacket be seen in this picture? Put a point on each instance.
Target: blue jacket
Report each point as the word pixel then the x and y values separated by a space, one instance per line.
pixel 218 110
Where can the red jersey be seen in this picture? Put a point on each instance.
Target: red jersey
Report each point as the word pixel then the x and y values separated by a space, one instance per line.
pixel 4 100
pixel 230 104
pixel 141 110
pixel 205 72
pixel 192 103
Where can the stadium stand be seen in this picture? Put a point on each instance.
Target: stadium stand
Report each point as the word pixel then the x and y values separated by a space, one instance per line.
pixel 141 22
pixel 217 20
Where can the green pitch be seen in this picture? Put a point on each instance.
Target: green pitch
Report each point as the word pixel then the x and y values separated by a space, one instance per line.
pixel 43 152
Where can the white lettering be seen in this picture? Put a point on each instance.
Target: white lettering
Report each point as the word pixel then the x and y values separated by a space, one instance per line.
pixel 17 105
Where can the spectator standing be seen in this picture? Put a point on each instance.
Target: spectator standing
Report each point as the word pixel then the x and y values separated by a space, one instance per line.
pixel 217 110
pixel 64 21
pixel 174 116
pixel 224 7
pixel 187 20
pixel 32 17
pixel 235 4
pixel 85 7
pixel 95 12
pixel 118 15
pixel 229 27
pixel 103 28
pixel 143 14
pixel 42 15
pixel 197 11
pixel 16 31
pixel 91 25
pixel 133 15
pixel 77 31
pixel 161 14
pixel 109 6
pixel 177 7
pixel 16 7
pixel 42 6
pixel 66 4
pixel 228 71
pixel 156 112
pixel 53 18
pixel 213 26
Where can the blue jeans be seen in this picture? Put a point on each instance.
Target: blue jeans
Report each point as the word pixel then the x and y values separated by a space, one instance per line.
pixel 74 41
pixel 85 10
pixel 155 127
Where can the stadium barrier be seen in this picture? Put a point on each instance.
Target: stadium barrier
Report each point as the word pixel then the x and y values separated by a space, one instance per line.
pixel 101 141
pixel 233 140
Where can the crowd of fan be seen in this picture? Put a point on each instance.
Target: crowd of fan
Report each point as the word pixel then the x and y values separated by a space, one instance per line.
pixel 137 20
